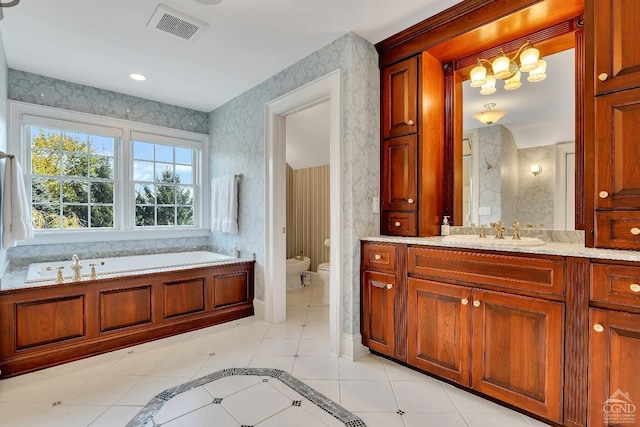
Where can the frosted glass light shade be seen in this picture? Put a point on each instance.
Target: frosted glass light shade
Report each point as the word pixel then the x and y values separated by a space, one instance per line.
pixel 478 76
pixel 489 117
pixel 514 82
pixel 529 59
pixel 500 67
pixel 538 74
pixel 489 87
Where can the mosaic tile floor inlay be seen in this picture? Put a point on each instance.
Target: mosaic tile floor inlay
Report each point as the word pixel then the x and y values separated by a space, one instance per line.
pixel 203 392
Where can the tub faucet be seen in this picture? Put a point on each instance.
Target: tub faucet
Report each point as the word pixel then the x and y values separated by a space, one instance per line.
pixel 76 267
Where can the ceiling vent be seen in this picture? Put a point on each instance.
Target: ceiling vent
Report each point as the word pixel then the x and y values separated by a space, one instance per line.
pixel 176 24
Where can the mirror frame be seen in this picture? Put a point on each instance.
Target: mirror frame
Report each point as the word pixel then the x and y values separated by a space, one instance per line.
pixel 559 37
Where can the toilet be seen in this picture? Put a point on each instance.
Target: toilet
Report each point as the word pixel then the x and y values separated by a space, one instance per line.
pixel 323 273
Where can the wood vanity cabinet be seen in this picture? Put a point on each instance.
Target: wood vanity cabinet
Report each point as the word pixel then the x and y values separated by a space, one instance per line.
pixel 502 344
pixel 617 48
pixel 383 323
pixel 614 330
pixel 399 93
pixel 617 179
pixel 613 368
pixel 616 68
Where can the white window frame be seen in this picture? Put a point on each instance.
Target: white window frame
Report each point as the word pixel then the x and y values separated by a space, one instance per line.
pixel 124 226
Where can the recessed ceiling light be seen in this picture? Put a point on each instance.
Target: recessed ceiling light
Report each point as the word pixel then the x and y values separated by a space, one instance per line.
pixel 136 76
pixel 209 1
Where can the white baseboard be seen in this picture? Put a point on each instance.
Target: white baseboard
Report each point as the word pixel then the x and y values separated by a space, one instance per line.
pixel 351 347
pixel 258 308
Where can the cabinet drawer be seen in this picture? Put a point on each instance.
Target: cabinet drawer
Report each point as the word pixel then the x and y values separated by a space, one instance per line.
pixel 399 224
pixel 617 284
pixel 378 257
pixel 538 275
pixel 616 230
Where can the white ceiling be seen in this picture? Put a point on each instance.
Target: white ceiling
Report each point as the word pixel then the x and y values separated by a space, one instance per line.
pixel 100 42
pixel 538 114
pixel 307 137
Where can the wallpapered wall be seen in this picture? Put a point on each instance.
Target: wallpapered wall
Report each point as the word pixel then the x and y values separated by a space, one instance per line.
pixel 41 90
pixel 536 193
pixel 36 89
pixel 237 136
pixel 308 220
pixel 3 130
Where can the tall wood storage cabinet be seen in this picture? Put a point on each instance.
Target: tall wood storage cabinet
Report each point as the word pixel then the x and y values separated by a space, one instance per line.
pixel 411 187
pixel 616 58
pixel 399 149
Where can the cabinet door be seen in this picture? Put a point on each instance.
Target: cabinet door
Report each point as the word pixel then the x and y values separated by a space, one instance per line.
pixel 618 150
pixel 614 378
pixel 398 189
pixel 439 329
pixel 617 51
pixel 517 351
pixel 378 312
pixel 399 98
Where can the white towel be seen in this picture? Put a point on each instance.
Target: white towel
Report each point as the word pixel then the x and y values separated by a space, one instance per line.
pixel 224 204
pixel 16 210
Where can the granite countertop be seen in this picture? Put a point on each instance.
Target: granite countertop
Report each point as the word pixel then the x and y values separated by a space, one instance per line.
pixel 550 248
pixel 14 278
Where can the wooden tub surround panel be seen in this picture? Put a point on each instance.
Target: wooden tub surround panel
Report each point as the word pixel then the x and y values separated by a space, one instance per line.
pixel 48 325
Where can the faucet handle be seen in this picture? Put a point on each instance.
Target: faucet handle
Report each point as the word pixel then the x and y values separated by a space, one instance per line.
pixel 516 230
pixel 483 231
pixel 93 275
pixel 59 277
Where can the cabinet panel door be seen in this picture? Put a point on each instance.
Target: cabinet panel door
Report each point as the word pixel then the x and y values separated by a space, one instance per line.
pixel 517 351
pixel 399 174
pixel 439 329
pixel 617 51
pixel 618 150
pixel 399 98
pixel 378 312
pixel 614 378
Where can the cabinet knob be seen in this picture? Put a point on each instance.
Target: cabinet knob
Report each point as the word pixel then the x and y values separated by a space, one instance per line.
pixel 464 301
pixel 598 327
pixel 410 122
pixel 476 303
pixel 603 194
pixel 377 257
pixel 389 285
pixel 603 76
pixel 634 287
pixel 398 224
pixel 410 201
pixel 635 231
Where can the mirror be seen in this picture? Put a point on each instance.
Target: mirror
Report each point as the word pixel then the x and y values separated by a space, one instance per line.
pixel 537 132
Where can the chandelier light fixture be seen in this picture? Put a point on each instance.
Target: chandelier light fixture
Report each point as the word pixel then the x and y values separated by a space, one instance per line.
pixel 489 116
pixel 6 4
pixel 508 69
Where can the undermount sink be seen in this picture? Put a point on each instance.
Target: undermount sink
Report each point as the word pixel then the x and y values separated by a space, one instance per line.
pixel 492 241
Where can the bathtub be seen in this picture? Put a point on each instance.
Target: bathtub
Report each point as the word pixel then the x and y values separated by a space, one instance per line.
pixel 135 299
pixel 126 265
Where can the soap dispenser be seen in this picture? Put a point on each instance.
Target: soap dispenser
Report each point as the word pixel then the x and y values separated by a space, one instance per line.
pixel 444 228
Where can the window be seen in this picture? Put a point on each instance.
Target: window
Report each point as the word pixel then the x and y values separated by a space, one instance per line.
pixel 72 179
pixel 89 173
pixel 163 180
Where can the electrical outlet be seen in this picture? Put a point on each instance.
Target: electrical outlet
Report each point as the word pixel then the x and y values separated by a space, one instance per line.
pixel 375 205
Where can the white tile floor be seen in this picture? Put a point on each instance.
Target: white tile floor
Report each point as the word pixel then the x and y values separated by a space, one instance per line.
pixel 110 389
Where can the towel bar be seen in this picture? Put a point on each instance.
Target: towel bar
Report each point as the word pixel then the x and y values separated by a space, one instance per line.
pixel 3 155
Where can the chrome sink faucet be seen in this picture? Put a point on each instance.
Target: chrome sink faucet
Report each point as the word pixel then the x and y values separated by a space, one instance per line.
pixel 76 267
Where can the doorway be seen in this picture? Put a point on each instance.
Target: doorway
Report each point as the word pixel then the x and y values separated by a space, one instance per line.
pixel 324 89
